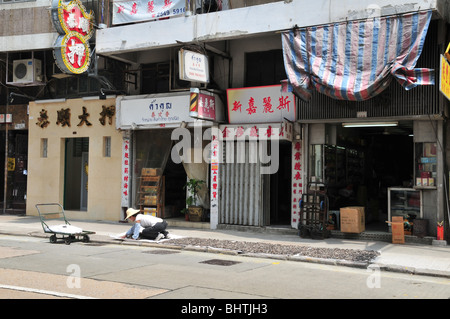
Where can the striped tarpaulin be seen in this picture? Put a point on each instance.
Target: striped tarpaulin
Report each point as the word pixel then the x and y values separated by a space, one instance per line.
pixel 356 60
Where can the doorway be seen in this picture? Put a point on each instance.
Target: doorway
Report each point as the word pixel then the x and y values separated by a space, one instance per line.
pixel 367 162
pixel 76 172
pixel 280 188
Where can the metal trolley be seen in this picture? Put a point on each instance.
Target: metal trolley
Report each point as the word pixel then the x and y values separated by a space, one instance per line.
pixel 55 212
pixel 313 206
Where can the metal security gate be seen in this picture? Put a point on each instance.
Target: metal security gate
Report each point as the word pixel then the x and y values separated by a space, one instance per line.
pixel 244 196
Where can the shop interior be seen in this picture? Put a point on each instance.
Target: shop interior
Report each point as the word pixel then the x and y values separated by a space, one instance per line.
pixel 160 180
pixel 280 187
pixel 361 164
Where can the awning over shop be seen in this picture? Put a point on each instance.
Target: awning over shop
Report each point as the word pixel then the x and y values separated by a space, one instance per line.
pixel 356 60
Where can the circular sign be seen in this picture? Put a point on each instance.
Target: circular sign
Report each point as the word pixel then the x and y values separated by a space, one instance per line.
pixel 71 49
pixel 72 53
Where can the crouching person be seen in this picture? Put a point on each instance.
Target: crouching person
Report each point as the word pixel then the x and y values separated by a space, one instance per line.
pixel 145 226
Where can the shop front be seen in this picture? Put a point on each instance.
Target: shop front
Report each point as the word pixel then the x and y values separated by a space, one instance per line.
pixel 372 120
pixel 16 138
pixel 74 157
pixel 164 146
pixel 252 159
pixel 388 167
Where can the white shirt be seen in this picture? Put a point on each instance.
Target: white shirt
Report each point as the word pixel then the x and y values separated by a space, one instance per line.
pixel 147 220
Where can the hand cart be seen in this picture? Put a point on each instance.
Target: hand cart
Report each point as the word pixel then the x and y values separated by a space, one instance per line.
pixel 314 212
pixel 69 233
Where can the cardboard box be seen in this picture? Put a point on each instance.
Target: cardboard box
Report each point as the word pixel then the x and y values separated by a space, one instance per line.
pixel 151 172
pixel 353 219
pixel 398 233
pixel 398 230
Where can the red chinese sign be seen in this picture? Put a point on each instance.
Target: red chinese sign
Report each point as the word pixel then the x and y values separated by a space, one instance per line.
pixel 75 26
pixel 282 131
pixel 260 105
pixel 202 106
pixel 297 181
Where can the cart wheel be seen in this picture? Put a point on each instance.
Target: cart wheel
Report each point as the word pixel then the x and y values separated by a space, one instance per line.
pixel 86 239
pixel 53 238
pixel 68 241
pixel 303 232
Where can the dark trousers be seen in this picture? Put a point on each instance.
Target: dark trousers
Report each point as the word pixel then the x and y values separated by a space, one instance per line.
pixel 152 232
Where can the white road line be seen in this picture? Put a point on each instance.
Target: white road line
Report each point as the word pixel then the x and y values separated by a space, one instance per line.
pixel 45 292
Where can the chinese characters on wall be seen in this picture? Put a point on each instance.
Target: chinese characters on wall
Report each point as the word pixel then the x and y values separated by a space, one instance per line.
pixel 64 114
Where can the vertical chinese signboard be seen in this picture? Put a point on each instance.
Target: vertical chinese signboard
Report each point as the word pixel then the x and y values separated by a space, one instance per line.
pixel 75 26
pixel 125 171
pixel 126 11
pixel 215 156
pixel 297 181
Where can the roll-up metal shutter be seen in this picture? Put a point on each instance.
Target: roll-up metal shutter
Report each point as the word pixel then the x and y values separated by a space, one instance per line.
pixel 242 185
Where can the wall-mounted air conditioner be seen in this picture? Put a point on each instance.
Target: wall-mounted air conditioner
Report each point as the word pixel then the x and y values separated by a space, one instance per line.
pixel 27 71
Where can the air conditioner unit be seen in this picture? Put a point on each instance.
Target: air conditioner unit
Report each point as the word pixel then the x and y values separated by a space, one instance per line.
pixel 27 71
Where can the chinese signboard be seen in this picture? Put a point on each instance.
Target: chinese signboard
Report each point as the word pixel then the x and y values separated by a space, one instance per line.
pixel 128 11
pixel 75 26
pixel 445 77
pixel 297 181
pixel 133 113
pixel 193 66
pixel 263 104
pixel 215 156
pixel 282 131
pixel 125 172
pixel 202 106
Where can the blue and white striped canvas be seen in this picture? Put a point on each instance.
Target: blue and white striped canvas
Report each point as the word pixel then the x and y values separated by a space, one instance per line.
pixel 354 60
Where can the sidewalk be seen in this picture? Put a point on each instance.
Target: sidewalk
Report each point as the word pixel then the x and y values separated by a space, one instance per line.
pixel 408 258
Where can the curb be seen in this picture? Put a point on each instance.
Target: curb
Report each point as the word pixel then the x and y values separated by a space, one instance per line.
pixel 297 258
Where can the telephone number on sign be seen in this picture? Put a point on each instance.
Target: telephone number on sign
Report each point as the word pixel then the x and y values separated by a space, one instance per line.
pixel 168 13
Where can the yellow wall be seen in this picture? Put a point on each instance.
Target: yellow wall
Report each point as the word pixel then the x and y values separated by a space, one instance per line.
pixel 46 175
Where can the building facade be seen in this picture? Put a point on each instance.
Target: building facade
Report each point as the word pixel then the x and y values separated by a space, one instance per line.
pixel 237 52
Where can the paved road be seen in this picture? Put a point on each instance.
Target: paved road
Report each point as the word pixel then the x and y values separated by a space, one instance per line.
pixel 32 267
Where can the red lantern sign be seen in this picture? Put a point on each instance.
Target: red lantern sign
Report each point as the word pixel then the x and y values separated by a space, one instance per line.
pixel 71 49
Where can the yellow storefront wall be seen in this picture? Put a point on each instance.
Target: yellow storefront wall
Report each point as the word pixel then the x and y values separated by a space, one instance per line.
pixel 46 174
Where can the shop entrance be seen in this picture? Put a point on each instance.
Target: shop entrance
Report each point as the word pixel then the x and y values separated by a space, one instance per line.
pixel 76 172
pixel 280 187
pixel 367 161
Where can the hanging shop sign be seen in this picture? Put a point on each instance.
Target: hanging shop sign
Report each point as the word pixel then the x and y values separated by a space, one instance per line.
pixel 135 113
pixel 445 74
pixel 263 104
pixel 202 106
pixel 193 66
pixel 75 26
pixel 126 11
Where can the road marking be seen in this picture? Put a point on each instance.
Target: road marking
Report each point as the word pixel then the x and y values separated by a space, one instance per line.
pixel 45 292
